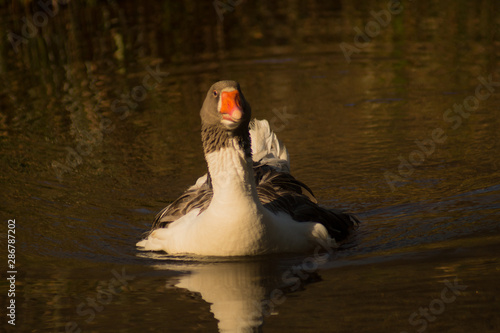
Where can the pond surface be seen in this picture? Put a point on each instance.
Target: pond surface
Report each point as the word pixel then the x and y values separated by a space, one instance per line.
pixel 388 112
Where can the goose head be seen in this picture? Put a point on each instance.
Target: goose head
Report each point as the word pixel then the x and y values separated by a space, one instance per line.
pixel 226 107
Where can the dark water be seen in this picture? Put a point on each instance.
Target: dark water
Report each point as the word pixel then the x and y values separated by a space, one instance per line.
pixel 99 129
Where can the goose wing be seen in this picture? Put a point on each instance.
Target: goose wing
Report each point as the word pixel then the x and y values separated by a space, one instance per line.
pixel 197 196
pixel 281 192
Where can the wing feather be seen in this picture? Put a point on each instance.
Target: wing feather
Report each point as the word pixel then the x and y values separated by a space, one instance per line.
pixel 281 192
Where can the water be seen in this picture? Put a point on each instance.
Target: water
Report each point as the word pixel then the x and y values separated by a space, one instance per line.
pixel 99 129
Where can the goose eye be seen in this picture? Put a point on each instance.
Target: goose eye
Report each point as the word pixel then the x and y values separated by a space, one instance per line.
pixel 215 93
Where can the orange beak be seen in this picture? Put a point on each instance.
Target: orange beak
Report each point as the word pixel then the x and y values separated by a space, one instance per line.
pixel 231 105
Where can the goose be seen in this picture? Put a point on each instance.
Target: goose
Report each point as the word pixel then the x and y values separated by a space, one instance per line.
pixel 248 203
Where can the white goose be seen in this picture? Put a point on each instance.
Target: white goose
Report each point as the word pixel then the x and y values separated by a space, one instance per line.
pixel 243 206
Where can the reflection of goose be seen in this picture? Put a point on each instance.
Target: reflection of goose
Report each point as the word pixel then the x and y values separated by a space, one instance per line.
pixel 243 206
pixel 239 293
pixel 234 292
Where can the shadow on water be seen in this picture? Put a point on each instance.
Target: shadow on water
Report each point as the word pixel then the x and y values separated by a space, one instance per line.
pixel 99 129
